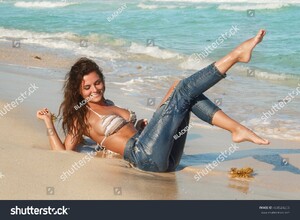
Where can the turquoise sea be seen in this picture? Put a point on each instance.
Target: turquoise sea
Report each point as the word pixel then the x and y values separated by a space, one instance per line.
pixel 164 36
pixel 177 28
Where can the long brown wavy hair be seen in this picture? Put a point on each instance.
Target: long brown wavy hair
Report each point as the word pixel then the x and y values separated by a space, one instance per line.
pixel 74 121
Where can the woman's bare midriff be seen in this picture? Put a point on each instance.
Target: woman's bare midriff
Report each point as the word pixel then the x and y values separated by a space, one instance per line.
pixel 117 141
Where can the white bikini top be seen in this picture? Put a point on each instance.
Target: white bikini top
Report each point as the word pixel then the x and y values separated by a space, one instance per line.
pixel 112 123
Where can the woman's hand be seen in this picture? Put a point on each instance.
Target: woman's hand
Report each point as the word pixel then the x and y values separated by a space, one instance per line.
pixel 141 124
pixel 44 114
pixel 55 142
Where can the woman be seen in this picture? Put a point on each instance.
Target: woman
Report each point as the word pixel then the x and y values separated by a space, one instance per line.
pixel 148 146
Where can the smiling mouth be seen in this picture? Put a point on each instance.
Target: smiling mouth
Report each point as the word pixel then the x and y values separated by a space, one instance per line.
pixel 95 94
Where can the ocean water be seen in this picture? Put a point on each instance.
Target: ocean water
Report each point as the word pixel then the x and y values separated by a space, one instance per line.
pixel 166 40
pixel 177 28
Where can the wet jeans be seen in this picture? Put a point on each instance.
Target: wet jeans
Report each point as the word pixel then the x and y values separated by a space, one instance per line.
pixel 158 148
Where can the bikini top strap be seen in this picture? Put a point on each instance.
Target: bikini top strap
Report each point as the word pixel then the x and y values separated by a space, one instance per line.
pixel 101 116
pixel 101 144
pixel 132 116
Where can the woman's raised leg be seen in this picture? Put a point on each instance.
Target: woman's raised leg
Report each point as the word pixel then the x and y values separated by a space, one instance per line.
pixel 207 111
pixel 204 79
pixel 179 143
pixel 239 132
pixel 154 145
pixel 204 109
pixel 242 53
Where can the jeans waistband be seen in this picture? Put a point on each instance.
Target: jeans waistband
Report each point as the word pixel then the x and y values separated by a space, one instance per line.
pixel 128 148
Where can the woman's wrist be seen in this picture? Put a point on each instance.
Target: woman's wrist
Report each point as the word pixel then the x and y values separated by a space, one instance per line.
pixel 48 122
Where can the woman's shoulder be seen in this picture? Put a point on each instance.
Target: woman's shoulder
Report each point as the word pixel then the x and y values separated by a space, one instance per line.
pixel 109 102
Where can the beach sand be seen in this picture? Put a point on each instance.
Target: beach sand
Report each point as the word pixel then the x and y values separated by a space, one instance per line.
pixel 30 170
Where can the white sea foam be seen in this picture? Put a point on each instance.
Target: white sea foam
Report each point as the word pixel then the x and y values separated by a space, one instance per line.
pixel 65 40
pixel 273 76
pixel 127 89
pixel 130 82
pixel 285 129
pixel 43 4
pixel 278 134
pixel 146 79
pixel 151 7
pixel 229 4
pixel 252 6
pixel 260 74
pixel 70 41
pixel 192 64
pixel 15 33
pixel 152 51
pixel 200 7
pixel 143 6
pixel 232 1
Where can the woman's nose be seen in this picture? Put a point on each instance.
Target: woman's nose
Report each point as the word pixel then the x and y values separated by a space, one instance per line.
pixel 94 89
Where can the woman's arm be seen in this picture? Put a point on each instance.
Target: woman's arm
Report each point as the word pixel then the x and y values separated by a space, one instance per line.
pixel 55 142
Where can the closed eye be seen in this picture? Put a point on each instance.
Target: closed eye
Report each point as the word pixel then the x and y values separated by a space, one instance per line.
pixel 87 87
pixel 97 82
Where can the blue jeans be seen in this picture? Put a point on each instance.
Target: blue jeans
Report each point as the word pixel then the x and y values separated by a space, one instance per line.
pixel 158 148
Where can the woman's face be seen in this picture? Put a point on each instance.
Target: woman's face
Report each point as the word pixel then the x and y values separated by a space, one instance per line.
pixel 92 87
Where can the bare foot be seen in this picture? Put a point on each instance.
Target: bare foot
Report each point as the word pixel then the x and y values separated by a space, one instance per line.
pixel 244 50
pixel 244 134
